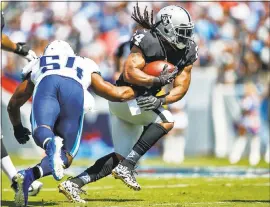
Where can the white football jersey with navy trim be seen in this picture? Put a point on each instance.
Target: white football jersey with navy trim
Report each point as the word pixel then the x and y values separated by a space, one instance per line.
pixel 75 67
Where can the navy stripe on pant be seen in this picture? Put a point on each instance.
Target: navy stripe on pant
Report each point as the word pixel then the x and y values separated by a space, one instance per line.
pixel 58 103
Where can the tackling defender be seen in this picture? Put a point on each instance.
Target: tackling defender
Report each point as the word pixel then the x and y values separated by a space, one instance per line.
pixel 170 39
pixel 58 81
pixel 6 163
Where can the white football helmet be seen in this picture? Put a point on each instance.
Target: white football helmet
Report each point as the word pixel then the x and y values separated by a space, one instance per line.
pixel 175 25
pixel 59 47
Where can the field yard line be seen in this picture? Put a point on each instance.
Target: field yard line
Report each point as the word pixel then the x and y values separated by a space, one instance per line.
pixel 169 186
pixel 151 186
pixel 183 203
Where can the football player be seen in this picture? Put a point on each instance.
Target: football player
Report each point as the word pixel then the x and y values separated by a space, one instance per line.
pixel 169 39
pixel 6 163
pixel 58 81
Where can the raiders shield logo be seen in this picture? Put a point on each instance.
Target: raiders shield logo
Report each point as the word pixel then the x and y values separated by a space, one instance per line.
pixel 165 18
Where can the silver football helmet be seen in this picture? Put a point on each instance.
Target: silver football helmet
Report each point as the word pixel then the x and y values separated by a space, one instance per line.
pixel 175 25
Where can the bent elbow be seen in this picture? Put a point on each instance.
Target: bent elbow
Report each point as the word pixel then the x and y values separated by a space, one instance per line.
pixel 10 106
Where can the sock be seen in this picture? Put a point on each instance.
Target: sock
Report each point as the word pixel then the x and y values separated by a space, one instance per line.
pixel 100 169
pixel 254 154
pixel 8 167
pixel 6 163
pixel 238 149
pixel 149 137
pixel 41 136
pixel 43 168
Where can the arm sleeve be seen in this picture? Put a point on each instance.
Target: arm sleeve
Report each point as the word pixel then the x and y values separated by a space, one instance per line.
pixel 92 65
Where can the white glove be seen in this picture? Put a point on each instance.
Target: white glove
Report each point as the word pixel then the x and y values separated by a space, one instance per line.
pixel 30 56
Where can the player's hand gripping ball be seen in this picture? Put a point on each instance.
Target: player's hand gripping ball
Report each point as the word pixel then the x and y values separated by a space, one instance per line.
pixel 157 67
pixel 164 72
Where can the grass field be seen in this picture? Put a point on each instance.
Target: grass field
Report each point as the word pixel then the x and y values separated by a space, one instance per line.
pixel 158 191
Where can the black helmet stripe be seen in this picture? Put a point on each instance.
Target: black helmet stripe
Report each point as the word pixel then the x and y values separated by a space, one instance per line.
pixel 189 19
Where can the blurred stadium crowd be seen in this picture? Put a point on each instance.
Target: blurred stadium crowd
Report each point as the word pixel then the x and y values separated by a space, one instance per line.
pixel 233 37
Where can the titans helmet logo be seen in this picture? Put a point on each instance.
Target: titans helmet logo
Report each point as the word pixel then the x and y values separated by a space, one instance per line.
pixel 166 19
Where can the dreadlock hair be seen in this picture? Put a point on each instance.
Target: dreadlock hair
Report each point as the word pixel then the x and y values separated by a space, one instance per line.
pixel 144 20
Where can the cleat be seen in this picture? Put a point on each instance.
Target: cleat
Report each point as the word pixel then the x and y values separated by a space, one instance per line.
pixel 33 190
pixel 53 151
pixel 127 176
pixel 23 179
pixel 71 191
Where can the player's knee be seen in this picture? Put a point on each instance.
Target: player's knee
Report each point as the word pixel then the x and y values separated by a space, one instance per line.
pixel 168 126
pixel 41 133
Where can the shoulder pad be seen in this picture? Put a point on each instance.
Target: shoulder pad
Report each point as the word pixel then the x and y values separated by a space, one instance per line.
pixel 192 54
pixel 148 43
pixel 91 64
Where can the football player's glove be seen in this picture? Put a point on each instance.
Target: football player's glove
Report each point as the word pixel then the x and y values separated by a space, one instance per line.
pixel 148 103
pixel 23 50
pixel 165 77
pixel 21 133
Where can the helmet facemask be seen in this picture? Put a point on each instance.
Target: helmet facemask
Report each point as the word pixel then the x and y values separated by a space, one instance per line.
pixel 176 35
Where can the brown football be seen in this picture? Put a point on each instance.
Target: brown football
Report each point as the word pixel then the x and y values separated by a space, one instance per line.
pixel 156 67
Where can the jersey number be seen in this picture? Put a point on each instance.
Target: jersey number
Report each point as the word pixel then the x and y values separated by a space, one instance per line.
pixel 138 38
pixel 46 65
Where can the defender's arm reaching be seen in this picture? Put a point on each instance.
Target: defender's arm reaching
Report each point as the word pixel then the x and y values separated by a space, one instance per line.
pixel 109 91
pixel 23 92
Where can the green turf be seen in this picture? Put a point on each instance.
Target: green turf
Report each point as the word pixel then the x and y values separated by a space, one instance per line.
pixel 189 162
pixel 180 192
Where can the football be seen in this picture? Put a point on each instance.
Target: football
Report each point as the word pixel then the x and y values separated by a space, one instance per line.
pixel 156 67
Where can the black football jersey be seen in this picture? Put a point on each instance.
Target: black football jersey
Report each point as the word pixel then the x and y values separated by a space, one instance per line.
pixel 153 49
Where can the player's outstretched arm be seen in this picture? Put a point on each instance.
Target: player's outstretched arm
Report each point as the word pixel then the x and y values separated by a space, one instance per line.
pixel 19 48
pixel 180 86
pixel 109 91
pixel 23 92
pixel 7 44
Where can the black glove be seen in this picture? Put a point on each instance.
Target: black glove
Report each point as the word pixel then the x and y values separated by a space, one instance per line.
pixel 22 49
pixel 165 77
pixel 148 103
pixel 21 134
